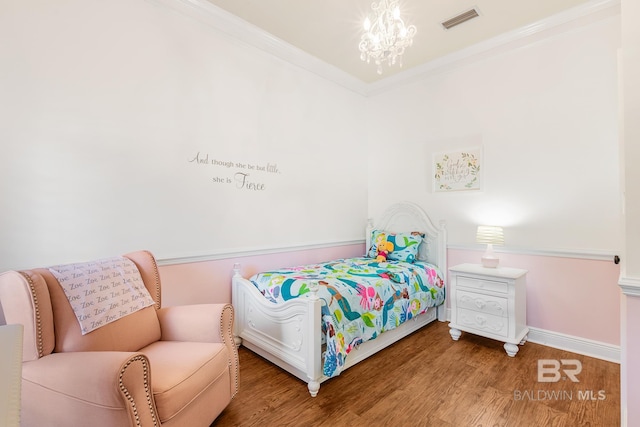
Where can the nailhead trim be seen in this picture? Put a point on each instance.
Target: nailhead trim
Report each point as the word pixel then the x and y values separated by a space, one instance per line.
pixel 157 274
pixel 224 340
pixel 157 280
pixel 36 307
pixel 147 389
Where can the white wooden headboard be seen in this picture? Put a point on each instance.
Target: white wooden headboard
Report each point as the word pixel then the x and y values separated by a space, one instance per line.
pixel 407 217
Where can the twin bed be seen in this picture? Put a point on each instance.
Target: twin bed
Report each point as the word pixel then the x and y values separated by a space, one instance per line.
pixel 315 321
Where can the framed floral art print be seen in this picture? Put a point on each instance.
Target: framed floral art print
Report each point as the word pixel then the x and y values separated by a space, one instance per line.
pixel 458 170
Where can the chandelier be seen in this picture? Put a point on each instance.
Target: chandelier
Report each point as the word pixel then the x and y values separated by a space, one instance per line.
pixel 385 36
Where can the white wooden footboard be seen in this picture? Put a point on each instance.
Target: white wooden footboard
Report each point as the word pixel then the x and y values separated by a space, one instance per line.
pixel 287 334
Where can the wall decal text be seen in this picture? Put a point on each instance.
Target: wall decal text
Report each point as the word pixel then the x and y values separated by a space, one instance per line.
pixel 241 175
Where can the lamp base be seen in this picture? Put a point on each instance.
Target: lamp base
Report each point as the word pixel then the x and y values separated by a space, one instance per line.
pixel 490 262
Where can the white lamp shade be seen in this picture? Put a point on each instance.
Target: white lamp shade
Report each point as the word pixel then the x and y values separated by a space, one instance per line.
pixel 490 234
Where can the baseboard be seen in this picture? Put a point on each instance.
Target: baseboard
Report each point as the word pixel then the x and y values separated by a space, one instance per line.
pixel 587 347
pixel 584 346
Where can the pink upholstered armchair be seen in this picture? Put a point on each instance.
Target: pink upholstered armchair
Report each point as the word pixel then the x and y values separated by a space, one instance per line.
pixel 171 366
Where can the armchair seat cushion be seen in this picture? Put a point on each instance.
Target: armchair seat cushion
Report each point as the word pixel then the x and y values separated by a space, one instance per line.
pixel 202 366
pixel 69 388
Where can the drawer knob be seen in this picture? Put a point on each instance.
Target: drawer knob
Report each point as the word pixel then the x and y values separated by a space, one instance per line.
pixel 480 304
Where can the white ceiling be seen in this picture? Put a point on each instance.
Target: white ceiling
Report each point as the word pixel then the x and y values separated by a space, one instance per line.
pixel 330 30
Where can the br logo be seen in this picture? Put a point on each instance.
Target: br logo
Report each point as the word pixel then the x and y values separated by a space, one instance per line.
pixel 549 370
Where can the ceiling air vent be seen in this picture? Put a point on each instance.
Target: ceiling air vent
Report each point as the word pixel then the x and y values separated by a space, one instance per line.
pixel 459 19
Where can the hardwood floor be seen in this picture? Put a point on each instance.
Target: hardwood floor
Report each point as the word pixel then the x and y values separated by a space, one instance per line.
pixel 427 379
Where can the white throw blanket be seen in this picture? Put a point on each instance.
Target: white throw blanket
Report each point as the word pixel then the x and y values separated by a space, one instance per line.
pixel 102 291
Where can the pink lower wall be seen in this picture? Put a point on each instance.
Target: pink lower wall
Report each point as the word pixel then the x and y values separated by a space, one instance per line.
pixel 210 281
pixel 577 297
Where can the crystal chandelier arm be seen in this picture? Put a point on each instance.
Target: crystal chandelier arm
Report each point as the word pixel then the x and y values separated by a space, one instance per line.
pixel 386 36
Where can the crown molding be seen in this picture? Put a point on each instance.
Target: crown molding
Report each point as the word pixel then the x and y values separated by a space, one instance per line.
pixel 589 12
pixel 242 31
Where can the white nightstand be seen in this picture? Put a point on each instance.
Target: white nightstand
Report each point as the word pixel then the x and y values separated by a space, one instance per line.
pixel 491 302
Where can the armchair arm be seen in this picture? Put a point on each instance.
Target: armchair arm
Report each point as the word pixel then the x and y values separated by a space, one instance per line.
pixel 197 323
pixel 202 323
pixel 109 387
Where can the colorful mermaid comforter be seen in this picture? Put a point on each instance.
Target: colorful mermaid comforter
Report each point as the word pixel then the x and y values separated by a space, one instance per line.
pixel 362 298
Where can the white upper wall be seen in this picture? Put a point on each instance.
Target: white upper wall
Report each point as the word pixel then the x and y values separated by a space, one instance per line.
pixel 631 138
pixel 545 114
pixel 108 106
pixel 114 115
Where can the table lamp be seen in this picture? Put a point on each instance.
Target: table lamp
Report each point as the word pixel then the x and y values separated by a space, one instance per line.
pixel 490 235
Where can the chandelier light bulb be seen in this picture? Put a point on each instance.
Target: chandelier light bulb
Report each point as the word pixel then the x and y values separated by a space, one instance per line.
pixel 367 24
pixel 385 35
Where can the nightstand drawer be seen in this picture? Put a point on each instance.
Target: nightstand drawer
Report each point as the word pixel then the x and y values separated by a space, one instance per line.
pixel 482 303
pixel 495 325
pixel 482 284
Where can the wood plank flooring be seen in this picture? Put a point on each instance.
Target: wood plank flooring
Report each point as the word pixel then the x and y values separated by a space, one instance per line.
pixel 427 379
